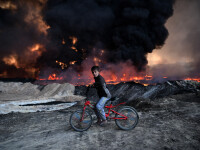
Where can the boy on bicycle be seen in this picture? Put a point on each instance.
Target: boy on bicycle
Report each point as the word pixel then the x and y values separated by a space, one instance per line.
pixel 103 94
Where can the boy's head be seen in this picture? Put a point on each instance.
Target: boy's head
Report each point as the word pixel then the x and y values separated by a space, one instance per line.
pixel 95 71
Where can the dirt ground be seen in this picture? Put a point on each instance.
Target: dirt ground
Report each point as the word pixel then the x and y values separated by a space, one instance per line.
pixel 168 123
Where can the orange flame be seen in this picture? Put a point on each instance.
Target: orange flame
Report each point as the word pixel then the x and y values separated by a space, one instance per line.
pixel 4 74
pixel 11 60
pixel 193 79
pixel 147 77
pixel 63 41
pixel 35 47
pixel 74 39
pixel 72 62
pixel 54 77
pixel 7 5
pixel 63 65
pixel 74 48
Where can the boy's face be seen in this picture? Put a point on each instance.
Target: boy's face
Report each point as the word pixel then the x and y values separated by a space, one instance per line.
pixel 95 73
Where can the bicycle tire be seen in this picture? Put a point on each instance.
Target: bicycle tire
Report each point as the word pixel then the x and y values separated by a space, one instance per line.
pixel 121 123
pixel 75 122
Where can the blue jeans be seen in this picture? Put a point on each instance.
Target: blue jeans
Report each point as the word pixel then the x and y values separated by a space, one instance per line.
pixel 100 108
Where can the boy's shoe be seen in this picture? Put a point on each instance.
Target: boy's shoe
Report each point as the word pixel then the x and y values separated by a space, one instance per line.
pixel 103 123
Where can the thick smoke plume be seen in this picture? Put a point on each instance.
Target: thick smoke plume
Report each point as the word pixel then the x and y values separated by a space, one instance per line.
pixel 70 31
pixel 125 29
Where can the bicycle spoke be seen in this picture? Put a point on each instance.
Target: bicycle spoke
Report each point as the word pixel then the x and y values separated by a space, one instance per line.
pixel 131 117
pixel 78 117
pixel 79 123
pixel 131 120
pixel 86 121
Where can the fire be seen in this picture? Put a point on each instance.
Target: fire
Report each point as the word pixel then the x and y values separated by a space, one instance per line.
pixel 26 60
pixel 124 77
pixel 8 5
pixel 35 47
pixel 74 39
pixel 193 79
pixel 4 74
pixel 113 78
pixel 31 17
pixel 63 41
pixel 18 62
pixel 72 62
pixel 74 48
pixel 148 77
pixel 54 77
pixel 11 60
pixel 63 65
pixel 127 78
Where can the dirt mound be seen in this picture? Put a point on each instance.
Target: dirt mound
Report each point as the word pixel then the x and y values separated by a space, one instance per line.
pixel 21 97
pixel 50 90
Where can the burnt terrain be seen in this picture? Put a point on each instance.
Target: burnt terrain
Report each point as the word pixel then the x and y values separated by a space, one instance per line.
pixel 170 122
pixel 132 91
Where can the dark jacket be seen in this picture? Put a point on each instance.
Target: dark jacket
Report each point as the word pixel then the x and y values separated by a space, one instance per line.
pixel 100 85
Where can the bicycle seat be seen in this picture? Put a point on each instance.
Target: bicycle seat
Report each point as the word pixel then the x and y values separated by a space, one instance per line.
pixel 111 100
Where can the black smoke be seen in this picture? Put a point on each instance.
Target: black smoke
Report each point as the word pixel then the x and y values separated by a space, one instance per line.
pixel 125 29
pixel 18 33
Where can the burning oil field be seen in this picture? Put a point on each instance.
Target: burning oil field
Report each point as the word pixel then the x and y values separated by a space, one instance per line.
pixel 148 54
pixel 61 40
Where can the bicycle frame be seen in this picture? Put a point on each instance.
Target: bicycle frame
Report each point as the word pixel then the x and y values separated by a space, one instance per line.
pixel 88 103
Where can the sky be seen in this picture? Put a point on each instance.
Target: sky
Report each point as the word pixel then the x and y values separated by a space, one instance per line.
pixel 182 48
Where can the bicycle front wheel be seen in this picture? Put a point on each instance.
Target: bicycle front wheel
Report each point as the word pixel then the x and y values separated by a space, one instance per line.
pixel 132 118
pixel 78 124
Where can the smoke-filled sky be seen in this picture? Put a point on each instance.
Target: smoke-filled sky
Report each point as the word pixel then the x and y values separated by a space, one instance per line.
pixel 180 56
pixel 37 36
pixel 125 29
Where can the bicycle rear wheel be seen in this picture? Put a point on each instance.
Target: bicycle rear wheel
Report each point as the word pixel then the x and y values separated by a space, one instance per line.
pixel 77 124
pixel 130 122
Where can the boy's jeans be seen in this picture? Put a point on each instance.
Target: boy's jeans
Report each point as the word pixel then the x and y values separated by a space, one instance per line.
pixel 100 108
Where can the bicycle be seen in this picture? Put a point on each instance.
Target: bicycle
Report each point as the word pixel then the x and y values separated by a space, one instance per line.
pixel 126 118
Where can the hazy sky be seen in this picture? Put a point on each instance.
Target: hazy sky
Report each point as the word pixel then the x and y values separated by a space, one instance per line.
pixel 181 49
pixel 184 33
